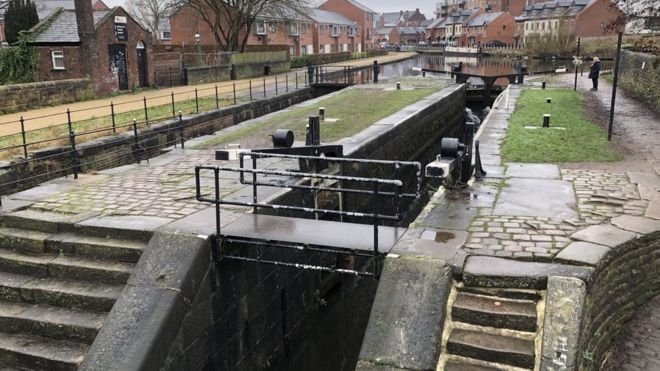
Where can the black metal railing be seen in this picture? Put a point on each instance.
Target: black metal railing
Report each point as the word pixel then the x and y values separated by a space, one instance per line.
pixel 374 190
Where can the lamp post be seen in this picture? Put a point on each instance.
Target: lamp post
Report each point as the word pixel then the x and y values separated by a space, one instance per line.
pixel 199 50
pixel 576 64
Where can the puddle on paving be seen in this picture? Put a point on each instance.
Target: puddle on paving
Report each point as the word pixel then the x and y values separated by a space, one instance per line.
pixel 442 237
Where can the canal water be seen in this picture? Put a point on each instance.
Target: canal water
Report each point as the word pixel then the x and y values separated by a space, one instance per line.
pixel 487 66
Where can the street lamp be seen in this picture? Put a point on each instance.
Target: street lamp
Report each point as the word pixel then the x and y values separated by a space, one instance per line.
pixel 199 50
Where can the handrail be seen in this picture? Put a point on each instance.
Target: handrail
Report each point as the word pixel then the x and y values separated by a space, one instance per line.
pixel 375 214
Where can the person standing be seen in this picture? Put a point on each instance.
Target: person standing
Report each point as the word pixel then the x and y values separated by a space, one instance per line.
pixel 594 72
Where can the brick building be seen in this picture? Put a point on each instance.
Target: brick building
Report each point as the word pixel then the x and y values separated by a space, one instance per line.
pixel 123 48
pixel 488 27
pixel 365 18
pixel 581 18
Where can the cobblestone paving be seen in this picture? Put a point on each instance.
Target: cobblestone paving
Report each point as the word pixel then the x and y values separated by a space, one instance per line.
pixel 161 190
pixel 520 237
pixel 602 195
pixel 637 347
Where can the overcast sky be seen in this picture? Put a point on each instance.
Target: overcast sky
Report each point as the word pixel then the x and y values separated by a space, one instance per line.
pixel 427 7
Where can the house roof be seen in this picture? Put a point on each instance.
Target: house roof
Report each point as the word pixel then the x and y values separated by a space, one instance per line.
pixel 62 27
pixel 360 6
pixel 46 7
pixel 553 9
pixel 483 19
pixel 391 18
pixel 411 30
pixel 327 17
pixel 384 30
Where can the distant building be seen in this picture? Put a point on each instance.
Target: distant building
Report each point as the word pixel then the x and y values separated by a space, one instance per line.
pixel 123 49
pixel 581 18
pixel 489 27
pixel 365 18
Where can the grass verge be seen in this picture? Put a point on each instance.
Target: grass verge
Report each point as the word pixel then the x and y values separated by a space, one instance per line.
pixel 580 140
pixel 347 114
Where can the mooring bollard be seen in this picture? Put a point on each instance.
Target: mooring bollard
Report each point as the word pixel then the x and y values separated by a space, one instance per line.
pixel 548 100
pixel 546 120
pixel 322 113
pixel 398 85
pixel 543 85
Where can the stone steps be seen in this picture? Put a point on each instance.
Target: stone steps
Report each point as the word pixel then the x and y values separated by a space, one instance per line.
pixel 491 329
pixel 50 321
pixel 495 312
pixel 57 285
pixel 65 267
pixel 490 347
pixel 64 293
pixel 29 352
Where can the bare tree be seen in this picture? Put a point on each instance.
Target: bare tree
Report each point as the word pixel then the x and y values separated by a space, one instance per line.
pixel 639 12
pixel 151 13
pixel 232 20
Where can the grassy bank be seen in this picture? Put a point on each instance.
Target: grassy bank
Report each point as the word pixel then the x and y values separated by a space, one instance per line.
pixel 570 138
pixel 347 114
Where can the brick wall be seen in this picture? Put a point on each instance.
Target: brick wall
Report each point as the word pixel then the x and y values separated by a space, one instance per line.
pixel 625 279
pixel 14 98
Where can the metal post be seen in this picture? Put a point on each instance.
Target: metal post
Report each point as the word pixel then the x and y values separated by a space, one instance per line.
pixel 276 85
pixel 196 101
pixel 576 66
pixel 173 106
pixel 112 114
pixel 146 115
pixel 264 88
pixel 217 100
pixel 74 154
pixel 250 82
pixel 254 184
pixel 234 91
pixel 296 80
pixel 375 211
pixel 137 142
pixel 25 154
pixel 182 129
pixel 286 83
pixel 72 140
pixel 614 83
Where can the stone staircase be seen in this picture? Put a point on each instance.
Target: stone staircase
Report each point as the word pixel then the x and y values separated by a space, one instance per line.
pixel 57 284
pixel 491 329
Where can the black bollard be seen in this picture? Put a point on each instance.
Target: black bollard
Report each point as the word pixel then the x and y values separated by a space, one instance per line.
pixel 548 100
pixel 546 120
pixel 376 70
pixel 543 85
pixel 322 113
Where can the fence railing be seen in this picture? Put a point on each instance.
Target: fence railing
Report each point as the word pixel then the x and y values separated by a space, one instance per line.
pixel 328 178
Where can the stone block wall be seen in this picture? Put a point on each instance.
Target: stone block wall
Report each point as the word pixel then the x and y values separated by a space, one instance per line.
pixel 625 279
pixel 14 98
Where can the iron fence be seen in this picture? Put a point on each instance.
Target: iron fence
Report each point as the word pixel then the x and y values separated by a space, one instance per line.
pixel 383 195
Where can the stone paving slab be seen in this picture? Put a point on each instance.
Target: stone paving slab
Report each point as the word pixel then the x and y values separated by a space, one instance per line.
pixel 536 171
pixel 636 224
pixel 607 235
pixel 582 253
pixel 653 210
pixel 485 271
pixel 533 197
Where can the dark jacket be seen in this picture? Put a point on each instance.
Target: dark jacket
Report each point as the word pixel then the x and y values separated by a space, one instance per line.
pixel 594 71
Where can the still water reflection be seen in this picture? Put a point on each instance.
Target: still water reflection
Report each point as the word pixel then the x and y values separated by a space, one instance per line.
pixel 487 66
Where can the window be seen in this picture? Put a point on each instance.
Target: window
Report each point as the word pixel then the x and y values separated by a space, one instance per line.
pixel 261 28
pixel 504 27
pixel 335 30
pixel 272 27
pixel 351 31
pixel 293 29
pixel 165 35
pixel 58 60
